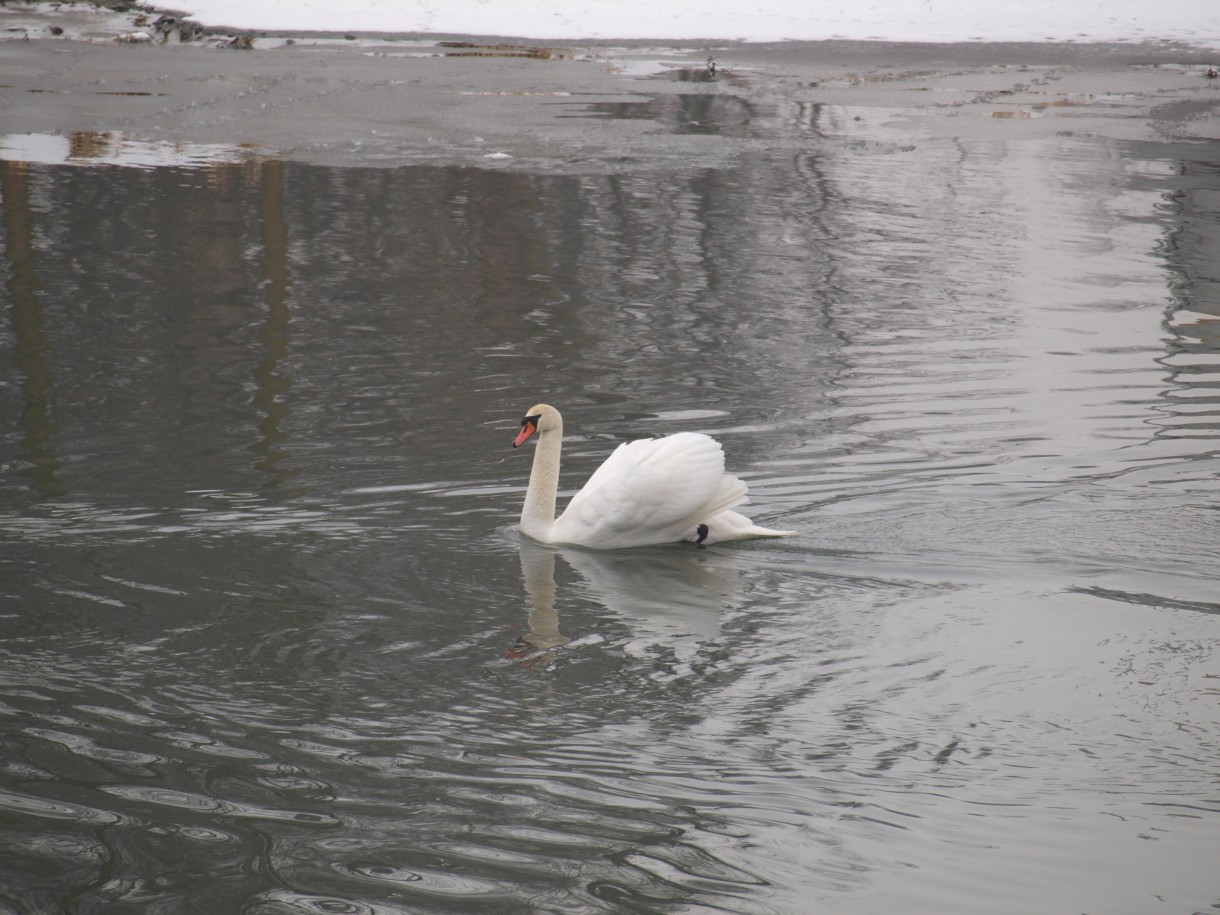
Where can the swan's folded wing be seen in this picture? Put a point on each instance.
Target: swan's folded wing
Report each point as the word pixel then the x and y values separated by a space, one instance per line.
pixel 651 491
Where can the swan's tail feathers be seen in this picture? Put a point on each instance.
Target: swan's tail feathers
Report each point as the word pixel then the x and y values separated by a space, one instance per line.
pixel 757 531
pixel 729 525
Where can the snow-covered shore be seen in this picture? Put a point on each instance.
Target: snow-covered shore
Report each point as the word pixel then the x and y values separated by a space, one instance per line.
pixel 83 89
pixel 1083 21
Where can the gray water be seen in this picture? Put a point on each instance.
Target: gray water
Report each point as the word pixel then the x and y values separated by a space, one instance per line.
pixel 272 644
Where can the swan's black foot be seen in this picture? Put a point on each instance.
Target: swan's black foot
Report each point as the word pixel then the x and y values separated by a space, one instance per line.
pixel 701 533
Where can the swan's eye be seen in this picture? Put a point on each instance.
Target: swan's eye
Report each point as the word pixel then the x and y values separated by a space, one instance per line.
pixel 532 420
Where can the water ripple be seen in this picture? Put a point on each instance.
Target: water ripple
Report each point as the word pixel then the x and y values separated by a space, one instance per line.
pixel 426 882
pixel 184 800
pixel 275 902
pixel 31 805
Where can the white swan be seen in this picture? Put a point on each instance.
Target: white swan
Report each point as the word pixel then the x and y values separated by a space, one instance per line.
pixel 650 491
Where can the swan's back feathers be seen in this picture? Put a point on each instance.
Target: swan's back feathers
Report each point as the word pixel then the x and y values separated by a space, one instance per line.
pixel 651 491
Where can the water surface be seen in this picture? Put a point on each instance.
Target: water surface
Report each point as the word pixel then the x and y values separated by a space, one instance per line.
pixel 272 644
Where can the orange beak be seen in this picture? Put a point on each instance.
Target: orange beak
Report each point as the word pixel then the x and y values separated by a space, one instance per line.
pixel 527 429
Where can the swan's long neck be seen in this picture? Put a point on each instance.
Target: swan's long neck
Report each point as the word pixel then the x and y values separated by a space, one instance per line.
pixel 538 512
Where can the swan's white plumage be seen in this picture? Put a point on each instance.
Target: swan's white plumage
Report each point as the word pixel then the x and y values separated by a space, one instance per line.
pixel 647 492
pixel 651 491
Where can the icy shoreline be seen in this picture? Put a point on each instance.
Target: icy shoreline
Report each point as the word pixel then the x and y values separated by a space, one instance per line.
pixel 936 21
pixel 78 92
pixel 682 23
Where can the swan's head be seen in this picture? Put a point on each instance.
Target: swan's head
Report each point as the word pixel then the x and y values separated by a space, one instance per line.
pixel 538 418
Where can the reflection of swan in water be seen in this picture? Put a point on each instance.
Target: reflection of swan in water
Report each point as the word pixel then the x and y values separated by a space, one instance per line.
pixel 671 594
pixel 538 573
